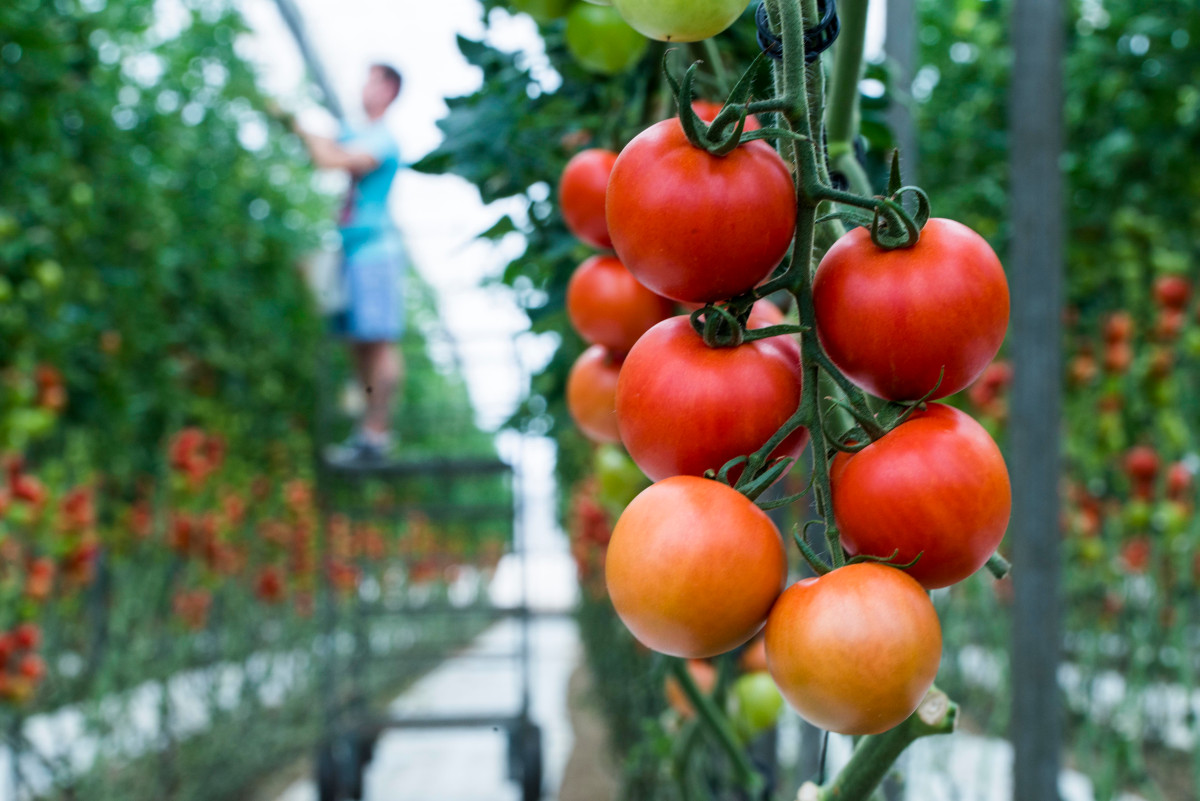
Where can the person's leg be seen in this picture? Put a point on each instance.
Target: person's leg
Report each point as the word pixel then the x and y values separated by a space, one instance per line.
pixel 381 369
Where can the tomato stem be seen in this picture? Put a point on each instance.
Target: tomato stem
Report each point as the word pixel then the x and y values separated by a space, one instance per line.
pixel 747 775
pixel 875 755
pixel 998 566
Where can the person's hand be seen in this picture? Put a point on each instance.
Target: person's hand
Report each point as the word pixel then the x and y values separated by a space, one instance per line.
pixel 279 113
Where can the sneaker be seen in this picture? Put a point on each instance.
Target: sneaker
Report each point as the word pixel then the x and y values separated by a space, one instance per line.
pixel 359 451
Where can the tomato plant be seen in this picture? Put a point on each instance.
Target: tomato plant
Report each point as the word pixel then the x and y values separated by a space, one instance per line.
pixel 945 298
pixel 680 20
pixel 591 394
pixel 683 407
pixel 693 567
pixel 581 190
pixel 854 651
pixel 696 227
pixel 935 487
pixel 608 306
pixel 601 41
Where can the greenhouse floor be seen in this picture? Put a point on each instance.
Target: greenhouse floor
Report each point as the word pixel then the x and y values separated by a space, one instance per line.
pixel 470 764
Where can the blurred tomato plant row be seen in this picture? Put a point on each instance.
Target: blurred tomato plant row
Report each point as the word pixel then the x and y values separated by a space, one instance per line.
pixel 158 396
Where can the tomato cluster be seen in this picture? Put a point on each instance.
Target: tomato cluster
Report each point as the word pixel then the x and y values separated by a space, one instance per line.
pixel 917 493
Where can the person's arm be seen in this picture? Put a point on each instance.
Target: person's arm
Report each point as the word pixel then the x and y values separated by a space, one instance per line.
pixel 327 154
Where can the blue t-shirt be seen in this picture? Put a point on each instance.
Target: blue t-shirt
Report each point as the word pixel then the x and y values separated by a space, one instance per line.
pixel 365 212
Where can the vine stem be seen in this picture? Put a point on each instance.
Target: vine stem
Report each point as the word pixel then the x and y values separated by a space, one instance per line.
pixel 719 725
pixel 874 756
pixel 842 113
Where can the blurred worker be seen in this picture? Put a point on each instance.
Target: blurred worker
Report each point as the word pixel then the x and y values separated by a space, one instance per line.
pixel 372 262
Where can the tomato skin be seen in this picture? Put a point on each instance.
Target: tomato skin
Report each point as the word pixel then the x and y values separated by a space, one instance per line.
pixel 694 227
pixel 601 41
pixel 935 485
pixel 854 651
pixel 891 320
pixel 683 407
pixel 608 307
pixel 581 190
pixel 708 110
pixel 693 567
pixel 591 394
pixel 680 20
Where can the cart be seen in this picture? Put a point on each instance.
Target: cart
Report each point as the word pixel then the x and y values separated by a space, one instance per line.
pixel 352 624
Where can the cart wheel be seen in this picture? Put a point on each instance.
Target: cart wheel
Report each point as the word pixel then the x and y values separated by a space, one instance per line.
pixel 327 774
pixel 350 766
pixel 531 763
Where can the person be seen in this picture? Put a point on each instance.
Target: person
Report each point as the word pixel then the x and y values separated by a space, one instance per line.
pixel 372 262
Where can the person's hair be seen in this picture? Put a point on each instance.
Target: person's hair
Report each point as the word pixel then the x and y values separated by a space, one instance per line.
pixel 390 74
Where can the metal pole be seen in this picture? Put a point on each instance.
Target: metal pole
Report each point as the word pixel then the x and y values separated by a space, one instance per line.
pixel 295 22
pixel 1036 273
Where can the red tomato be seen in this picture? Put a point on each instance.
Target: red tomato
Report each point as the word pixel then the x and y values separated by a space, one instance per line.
pixel 1141 463
pixel 693 567
pixel 708 110
pixel 581 191
pixel 936 485
pixel 695 227
pixel 591 394
pixel 1172 291
pixel 891 320
pixel 855 650
pixel 608 307
pixel 683 407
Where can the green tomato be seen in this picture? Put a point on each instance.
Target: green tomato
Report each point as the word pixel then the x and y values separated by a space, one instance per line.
pixel 620 478
pixel 680 20
pixel 755 703
pixel 601 41
pixel 1137 515
pixel 543 11
pixel 48 273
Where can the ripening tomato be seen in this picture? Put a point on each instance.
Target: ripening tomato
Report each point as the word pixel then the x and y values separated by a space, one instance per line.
pixel 680 20
pixel 581 191
pixel 693 567
pixel 694 227
pixel 935 485
pixel 591 394
pixel 608 307
pixel 683 407
pixel 708 110
pixel 854 651
pixel 893 320
pixel 601 41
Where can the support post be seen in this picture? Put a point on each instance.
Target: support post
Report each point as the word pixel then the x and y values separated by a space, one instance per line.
pixel 1036 275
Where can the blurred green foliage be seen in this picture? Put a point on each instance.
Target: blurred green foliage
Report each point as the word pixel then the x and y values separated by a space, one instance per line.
pixel 151 221
pixel 1130 579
